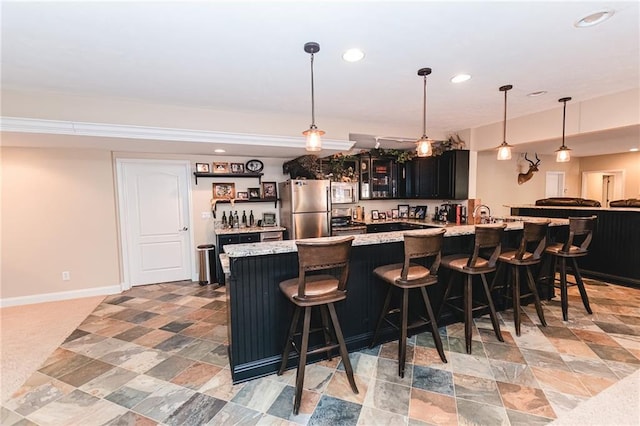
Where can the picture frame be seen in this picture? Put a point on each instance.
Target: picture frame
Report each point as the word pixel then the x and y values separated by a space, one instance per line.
pixel 412 212
pixel 394 213
pixel 403 211
pixel 224 191
pixel 382 216
pixel 268 219
pixel 254 193
pixel 237 167
pixel 375 215
pixel 220 167
pixel 203 168
pixel 421 212
pixel 269 190
pixel 242 195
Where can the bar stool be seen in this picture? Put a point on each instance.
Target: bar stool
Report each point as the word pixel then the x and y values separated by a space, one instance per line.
pixel 582 228
pixel 487 238
pixel 307 291
pixel 407 276
pixel 534 235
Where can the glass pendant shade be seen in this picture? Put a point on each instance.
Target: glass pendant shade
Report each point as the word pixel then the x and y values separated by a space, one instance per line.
pixel 504 150
pixel 563 154
pixel 423 145
pixel 314 140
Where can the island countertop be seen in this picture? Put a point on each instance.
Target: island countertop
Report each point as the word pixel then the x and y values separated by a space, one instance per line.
pixel 609 209
pixel 452 230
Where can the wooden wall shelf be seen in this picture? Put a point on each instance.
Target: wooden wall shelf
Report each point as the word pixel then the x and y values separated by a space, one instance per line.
pixel 228 175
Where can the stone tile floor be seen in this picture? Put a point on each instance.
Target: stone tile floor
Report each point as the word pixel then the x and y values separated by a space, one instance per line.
pixel 156 355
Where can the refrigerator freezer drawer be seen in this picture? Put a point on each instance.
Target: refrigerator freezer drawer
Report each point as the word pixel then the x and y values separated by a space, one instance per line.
pixel 310 225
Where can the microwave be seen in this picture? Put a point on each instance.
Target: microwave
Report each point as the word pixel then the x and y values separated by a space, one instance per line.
pixel 344 192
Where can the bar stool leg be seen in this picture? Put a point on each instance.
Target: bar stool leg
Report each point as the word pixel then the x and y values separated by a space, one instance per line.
pixel 325 329
pixel 492 310
pixel 563 289
pixel 516 298
pixel 536 297
pixel 303 359
pixel 434 325
pixel 383 314
pixel 468 312
pixel 287 345
pixel 446 292
pixel 402 344
pixel 580 283
pixel 343 349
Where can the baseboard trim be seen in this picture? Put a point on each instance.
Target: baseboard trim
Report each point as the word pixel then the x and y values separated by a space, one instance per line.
pixel 63 295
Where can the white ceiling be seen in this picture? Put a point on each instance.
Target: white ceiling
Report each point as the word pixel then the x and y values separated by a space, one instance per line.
pixel 249 56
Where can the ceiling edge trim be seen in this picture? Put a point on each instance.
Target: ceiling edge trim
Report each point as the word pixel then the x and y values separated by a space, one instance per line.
pixel 32 125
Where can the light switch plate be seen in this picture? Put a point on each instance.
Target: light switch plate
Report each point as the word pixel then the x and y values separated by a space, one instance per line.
pixel 206 215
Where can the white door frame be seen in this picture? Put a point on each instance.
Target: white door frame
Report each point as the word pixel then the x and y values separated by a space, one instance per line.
pixel 122 216
pixel 618 190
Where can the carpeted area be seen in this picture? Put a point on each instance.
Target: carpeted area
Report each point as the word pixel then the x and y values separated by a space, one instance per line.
pixel 157 355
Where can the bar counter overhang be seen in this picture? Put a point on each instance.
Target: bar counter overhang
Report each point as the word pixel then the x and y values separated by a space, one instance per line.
pixel 259 315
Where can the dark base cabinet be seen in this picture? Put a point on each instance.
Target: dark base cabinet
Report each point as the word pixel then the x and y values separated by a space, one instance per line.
pixel 613 253
pixel 222 240
pixel 259 315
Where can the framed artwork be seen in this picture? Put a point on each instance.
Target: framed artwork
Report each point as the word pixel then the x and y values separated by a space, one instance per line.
pixel 202 168
pixel 224 191
pixel 412 212
pixel 242 195
pixel 237 168
pixel 394 213
pixel 382 216
pixel 375 215
pixel 421 212
pixel 254 193
pixel 269 190
pixel 220 167
pixel 403 211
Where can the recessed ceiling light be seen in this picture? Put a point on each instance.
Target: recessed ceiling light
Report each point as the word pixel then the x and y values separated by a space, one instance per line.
pixel 353 55
pixel 538 93
pixel 594 18
pixel 459 78
pixel 219 151
pixel 634 150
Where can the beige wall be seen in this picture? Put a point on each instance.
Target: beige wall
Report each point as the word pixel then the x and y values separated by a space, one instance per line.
pixel 58 214
pixel 628 162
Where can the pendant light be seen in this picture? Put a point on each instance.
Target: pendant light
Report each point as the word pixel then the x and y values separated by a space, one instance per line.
pixel 314 141
pixel 424 143
pixel 504 150
pixel 562 154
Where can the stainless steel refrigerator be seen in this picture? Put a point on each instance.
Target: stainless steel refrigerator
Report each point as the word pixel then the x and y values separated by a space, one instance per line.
pixel 305 208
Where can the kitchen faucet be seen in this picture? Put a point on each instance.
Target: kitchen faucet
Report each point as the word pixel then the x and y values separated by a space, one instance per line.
pixel 483 218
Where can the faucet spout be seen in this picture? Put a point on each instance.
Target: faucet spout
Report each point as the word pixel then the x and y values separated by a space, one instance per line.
pixel 485 213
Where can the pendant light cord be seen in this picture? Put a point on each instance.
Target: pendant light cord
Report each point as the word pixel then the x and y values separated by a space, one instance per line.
pixel 504 122
pixel 424 108
pixel 313 103
pixel 564 115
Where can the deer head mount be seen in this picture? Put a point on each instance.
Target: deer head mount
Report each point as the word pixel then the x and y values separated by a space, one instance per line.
pixel 533 167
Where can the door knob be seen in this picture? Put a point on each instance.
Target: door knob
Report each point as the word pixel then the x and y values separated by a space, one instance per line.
pixel 184 228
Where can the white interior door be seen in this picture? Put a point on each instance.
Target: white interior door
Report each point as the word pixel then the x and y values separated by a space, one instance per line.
pixel 154 215
pixel 554 184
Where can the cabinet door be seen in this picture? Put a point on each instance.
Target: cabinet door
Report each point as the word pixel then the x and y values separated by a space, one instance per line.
pixel 382 178
pixel 425 177
pixel 365 177
pixel 453 175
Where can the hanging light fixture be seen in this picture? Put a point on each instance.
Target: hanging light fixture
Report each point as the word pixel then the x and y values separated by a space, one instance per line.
pixel 424 143
pixel 562 154
pixel 504 150
pixel 314 141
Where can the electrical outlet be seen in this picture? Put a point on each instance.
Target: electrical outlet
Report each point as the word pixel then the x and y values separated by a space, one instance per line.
pixel 206 215
pixel 66 276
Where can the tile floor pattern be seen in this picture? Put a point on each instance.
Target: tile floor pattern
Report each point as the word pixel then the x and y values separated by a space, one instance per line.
pixel 156 355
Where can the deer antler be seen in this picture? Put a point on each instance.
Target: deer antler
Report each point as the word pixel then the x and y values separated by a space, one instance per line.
pixel 537 159
pixel 525 157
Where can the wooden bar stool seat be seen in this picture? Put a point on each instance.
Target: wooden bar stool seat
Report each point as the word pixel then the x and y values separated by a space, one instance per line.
pixel 407 276
pixel 577 244
pixel 488 238
pixel 534 235
pixel 310 289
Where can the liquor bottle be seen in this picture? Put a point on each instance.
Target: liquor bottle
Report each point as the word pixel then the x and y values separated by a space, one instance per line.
pixel 236 222
pixel 224 220
pixel 244 218
pixel 251 218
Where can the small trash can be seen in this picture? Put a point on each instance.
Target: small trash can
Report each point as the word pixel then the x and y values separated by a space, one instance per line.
pixel 203 249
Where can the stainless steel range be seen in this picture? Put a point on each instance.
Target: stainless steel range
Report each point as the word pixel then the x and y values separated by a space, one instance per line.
pixel 343 224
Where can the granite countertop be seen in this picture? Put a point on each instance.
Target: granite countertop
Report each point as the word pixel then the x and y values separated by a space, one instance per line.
pixel 248 230
pixel 452 230
pixel 611 209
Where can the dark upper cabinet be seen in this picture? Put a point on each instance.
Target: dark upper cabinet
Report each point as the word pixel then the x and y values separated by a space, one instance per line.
pixel 445 176
pixel 378 177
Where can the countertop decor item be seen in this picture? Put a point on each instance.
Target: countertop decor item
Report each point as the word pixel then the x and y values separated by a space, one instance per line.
pixel 314 141
pixel 504 150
